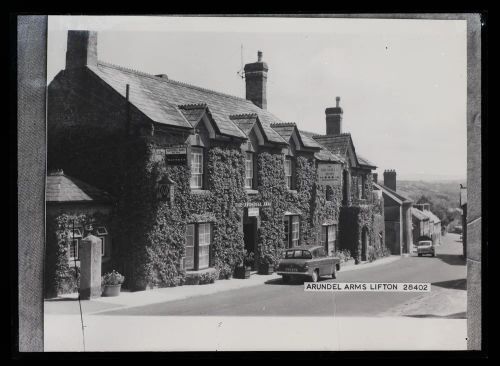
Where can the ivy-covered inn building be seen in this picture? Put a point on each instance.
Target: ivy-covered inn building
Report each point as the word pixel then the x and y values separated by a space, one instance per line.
pixel 201 178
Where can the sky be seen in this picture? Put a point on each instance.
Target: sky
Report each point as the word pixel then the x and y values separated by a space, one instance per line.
pixel 402 82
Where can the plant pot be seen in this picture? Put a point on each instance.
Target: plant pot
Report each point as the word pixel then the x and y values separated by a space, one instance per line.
pixel 111 290
pixel 266 269
pixel 242 272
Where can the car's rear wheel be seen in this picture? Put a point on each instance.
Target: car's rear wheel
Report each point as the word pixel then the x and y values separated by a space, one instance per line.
pixel 315 276
pixel 334 273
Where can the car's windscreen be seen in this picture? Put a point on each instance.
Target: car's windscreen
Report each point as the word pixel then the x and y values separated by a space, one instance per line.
pixel 425 243
pixel 297 254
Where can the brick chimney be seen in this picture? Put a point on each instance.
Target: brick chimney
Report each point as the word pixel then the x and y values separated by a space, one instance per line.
pixel 81 49
pixel 256 82
pixel 334 119
pixel 390 179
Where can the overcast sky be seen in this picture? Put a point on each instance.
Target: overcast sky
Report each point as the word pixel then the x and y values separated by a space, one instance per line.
pixel 402 83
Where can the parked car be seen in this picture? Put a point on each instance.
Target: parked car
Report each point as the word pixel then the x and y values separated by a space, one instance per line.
pixel 307 262
pixel 425 247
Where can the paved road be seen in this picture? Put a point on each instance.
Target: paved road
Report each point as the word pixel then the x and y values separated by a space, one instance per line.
pixel 274 298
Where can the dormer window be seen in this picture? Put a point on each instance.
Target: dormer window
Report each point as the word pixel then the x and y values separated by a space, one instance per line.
pixel 196 168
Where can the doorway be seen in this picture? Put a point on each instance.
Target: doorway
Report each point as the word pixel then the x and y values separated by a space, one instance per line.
pixel 250 236
pixel 364 244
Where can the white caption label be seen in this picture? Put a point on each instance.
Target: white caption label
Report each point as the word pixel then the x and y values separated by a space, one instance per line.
pixel 367 287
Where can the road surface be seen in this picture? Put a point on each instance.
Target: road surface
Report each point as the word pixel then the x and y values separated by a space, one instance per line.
pixel 275 298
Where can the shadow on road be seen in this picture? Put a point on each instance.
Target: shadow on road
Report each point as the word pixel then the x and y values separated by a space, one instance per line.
pixel 58 299
pixel 452 259
pixel 461 315
pixel 459 284
pixel 279 281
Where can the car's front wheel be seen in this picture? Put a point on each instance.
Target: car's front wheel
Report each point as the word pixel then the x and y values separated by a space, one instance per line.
pixel 314 276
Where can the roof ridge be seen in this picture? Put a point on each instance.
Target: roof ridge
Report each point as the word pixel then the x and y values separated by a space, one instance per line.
pixel 243 115
pixel 283 124
pixel 154 77
pixel 192 105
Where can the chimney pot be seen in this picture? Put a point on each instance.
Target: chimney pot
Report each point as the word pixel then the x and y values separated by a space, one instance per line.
pixel 337 99
pixel 259 56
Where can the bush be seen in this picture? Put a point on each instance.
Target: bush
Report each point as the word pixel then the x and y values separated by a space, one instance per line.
pixel 344 255
pixel 112 279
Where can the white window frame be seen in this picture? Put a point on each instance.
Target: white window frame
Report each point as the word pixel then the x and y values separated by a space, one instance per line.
pixel 288 172
pixel 196 181
pixel 204 240
pixel 201 239
pixel 76 248
pixel 249 170
pixel 295 232
pixel 192 235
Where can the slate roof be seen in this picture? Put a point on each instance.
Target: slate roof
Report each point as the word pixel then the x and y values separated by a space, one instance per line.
pixel 285 129
pixel 245 122
pixel 193 112
pixel 337 144
pixel 392 193
pixel 158 98
pixel 309 141
pixel 364 161
pixel 61 188
pixel 419 214
pixel 324 154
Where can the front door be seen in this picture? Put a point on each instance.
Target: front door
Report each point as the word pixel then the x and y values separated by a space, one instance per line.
pixel 250 236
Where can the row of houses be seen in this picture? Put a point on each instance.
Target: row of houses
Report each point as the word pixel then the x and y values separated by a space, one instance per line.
pixel 179 180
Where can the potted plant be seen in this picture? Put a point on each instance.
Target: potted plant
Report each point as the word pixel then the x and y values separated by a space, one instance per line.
pixel 243 270
pixel 266 265
pixel 111 283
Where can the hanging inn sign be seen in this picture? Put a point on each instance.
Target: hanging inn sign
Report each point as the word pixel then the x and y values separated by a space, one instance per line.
pixel 165 190
pixel 329 174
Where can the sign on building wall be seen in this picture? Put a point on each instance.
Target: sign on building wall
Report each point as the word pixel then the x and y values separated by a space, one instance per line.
pixel 253 211
pixel 329 174
pixel 176 155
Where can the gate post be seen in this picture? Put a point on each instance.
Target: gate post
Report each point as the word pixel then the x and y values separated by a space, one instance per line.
pixel 90 267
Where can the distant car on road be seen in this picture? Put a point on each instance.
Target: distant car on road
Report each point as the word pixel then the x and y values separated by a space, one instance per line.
pixel 425 247
pixel 307 262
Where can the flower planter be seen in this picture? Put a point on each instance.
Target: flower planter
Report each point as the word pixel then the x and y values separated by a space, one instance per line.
pixel 242 272
pixel 266 269
pixel 111 290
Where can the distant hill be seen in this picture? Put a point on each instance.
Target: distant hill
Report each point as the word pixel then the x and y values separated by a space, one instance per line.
pixel 444 196
pixel 441 190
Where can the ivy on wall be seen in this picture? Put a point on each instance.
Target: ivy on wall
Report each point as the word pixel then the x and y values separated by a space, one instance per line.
pixel 60 276
pixel 272 189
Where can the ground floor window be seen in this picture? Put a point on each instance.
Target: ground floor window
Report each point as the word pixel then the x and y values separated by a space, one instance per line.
pixel 73 249
pixel 198 241
pixel 329 238
pixel 75 236
pixel 102 234
pixel 291 230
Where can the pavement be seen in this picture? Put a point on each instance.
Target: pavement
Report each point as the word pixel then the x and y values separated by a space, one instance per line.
pixel 68 303
pixel 264 313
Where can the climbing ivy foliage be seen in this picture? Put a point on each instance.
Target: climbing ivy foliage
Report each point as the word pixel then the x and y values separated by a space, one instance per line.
pixel 60 276
pixel 272 189
pixel 157 228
